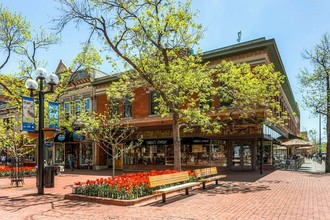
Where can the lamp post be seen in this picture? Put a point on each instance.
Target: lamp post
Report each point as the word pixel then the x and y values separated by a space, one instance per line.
pixel 320 139
pixel 41 75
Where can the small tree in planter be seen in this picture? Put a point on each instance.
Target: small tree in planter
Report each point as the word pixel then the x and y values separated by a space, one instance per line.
pixel 110 134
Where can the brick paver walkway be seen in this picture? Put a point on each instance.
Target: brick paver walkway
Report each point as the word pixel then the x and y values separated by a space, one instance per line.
pixel 273 195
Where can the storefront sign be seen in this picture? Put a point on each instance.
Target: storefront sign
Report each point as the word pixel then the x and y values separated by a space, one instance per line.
pixel 168 141
pixel 201 141
pixel 156 142
pixel 61 137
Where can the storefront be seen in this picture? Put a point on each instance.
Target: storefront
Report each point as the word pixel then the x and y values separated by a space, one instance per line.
pixel 157 153
pixel 72 146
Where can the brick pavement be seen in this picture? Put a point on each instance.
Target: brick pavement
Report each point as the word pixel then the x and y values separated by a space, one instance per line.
pixel 243 195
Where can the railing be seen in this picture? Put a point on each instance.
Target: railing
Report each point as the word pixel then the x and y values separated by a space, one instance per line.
pixel 293 164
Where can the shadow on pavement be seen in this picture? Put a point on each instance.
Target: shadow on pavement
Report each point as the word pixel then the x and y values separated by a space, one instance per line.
pixel 246 176
pixel 233 187
pixel 169 199
pixel 15 204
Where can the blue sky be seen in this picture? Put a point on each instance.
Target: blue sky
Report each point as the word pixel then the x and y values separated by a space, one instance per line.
pixel 294 24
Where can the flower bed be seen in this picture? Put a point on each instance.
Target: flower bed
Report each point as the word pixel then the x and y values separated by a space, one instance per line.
pixel 126 186
pixel 26 171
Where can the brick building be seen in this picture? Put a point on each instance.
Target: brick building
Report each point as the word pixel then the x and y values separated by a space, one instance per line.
pixel 235 149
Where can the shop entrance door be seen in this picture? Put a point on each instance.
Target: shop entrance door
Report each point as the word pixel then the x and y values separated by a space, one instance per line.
pixel 247 157
pixel 72 150
pixel 242 156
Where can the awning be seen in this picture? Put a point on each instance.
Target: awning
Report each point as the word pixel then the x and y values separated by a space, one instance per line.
pixel 297 143
pixel 68 137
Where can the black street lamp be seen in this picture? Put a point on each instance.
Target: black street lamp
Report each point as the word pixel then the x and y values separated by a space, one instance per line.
pixel 320 139
pixel 41 74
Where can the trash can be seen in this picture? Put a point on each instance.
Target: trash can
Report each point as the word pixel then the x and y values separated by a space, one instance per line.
pixel 49 176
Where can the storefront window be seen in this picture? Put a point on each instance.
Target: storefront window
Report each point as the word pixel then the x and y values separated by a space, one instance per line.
pixel 147 154
pixel 160 152
pixel 59 153
pixel 170 154
pixel 218 153
pixel 280 152
pixel 236 155
pixel 267 152
pixel 86 153
pixel 267 157
pixel 157 154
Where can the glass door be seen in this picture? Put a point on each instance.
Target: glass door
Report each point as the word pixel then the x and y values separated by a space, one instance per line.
pixel 242 156
pixel 247 159
pixel 236 155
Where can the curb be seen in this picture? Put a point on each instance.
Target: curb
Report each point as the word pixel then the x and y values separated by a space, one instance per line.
pixel 108 201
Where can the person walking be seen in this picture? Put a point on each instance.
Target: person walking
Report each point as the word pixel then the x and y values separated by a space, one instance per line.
pixel 71 163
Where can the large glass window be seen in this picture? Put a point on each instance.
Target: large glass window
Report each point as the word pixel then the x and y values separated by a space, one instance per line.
pixel 154 96
pixel 127 109
pixel 219 153
pixel 86 153
pixel 147 154
pixel 59 153
pixel 267 152
pixel 236 155
pixel 191 154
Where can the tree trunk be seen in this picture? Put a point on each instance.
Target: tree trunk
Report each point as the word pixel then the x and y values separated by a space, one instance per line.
pixel 176 142
pixel 113 161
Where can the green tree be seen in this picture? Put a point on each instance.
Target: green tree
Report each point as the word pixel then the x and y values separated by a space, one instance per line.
pixel 16 39
pixel 14 30
pixel 110 134
pixel 154 39
pixel 315 84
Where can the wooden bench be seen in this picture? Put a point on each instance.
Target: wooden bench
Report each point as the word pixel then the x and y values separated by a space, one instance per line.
pixel 166 179
pixel 207 175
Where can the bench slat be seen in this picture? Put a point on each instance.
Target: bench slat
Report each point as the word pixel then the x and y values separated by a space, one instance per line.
pixel 212 178
pixel 166 179
pixel 176 188
pixel 208 175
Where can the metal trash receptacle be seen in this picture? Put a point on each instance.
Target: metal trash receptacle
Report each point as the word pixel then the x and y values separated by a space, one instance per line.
pixel 49 176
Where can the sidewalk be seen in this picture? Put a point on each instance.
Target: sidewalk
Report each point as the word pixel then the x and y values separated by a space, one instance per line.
pixel 313 166
pixel 276 194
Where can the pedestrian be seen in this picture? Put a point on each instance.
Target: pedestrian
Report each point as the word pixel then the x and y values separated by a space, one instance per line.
pixel 71 163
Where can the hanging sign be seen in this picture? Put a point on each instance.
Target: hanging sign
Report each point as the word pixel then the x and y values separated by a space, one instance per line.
pixel 53 115
pixel 28 118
